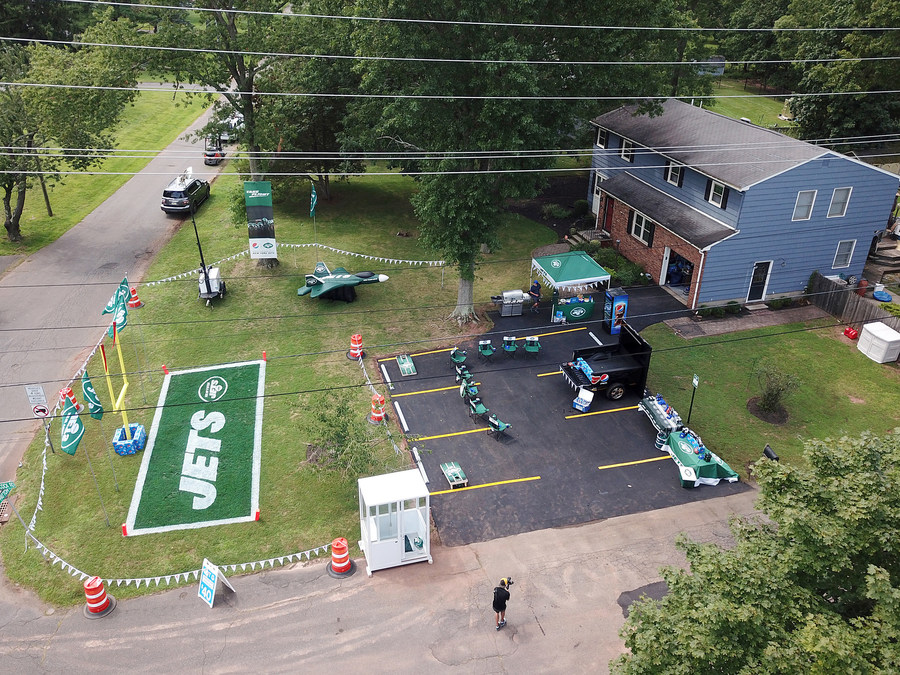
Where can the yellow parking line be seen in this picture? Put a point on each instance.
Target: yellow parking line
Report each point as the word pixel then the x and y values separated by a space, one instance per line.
pixel 438 351
pixel 600 412
pixel 640 461
pixel 430 391
pixel 455 433
pixel 475 487
pixel 555 372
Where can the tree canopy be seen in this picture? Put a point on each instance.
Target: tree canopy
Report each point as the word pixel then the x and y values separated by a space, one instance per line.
pixel 811 589
pixel 472 152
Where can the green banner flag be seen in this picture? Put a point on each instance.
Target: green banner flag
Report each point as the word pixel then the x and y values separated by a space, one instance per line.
pixel 118 305
pixel 260 219
pixel 72 429
pixel 90 396
pixel 313 199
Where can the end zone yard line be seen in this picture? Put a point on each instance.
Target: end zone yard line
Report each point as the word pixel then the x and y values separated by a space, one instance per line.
pixel 475 487
pixel 600 412
pixel 455 433
pixel 640 461
pixel 429 391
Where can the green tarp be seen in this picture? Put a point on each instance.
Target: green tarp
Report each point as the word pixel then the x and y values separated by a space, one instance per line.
pixel 572 270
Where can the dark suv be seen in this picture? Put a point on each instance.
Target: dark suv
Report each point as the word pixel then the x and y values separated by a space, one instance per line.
pixel 184 194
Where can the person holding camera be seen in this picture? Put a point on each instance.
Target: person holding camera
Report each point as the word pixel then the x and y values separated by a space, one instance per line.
pixel 501 597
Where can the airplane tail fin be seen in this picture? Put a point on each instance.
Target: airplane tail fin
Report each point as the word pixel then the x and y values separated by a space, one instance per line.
pixel 321 269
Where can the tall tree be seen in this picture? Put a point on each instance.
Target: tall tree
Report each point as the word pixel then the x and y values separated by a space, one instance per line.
pixel 814 589
pixel 478 146
pixel 759 45
pixel 839 116
pixel 236 35
pixel 45 128
pixel 302 132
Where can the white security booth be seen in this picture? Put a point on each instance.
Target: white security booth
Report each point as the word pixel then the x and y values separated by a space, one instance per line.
pixel 393 520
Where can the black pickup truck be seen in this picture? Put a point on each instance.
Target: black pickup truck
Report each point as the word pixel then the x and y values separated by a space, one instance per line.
pixel 611 367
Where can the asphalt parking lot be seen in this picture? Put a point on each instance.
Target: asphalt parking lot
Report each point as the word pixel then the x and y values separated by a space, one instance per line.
pixel 554 467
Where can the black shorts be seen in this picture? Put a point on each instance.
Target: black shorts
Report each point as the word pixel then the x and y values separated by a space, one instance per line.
pixel 499 607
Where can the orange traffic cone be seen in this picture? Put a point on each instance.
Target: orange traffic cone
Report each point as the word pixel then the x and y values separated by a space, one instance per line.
pixel 134 302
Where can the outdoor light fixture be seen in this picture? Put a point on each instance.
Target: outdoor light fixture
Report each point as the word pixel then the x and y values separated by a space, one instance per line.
pixel 770 453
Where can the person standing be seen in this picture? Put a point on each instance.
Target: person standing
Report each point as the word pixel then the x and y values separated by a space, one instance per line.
pixel 535 293
pixel 501 597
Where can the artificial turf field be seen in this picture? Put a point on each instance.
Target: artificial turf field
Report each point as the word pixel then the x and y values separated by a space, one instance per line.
pixel 202 461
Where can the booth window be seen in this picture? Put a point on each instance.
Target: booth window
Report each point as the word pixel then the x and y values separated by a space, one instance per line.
pixel 641 227
pixel 840 198
pixel 804 205
pixel 383 518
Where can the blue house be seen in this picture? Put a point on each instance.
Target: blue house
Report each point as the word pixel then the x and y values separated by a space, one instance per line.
pixel 721 209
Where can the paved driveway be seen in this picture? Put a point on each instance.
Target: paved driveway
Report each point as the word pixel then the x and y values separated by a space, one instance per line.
pixel 50 301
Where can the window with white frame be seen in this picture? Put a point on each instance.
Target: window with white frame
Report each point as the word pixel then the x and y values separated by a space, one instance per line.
pixel 844 253
pixel 716 194
pixel 626 152
pixel 674 173
pixel 641 227
pixel 598 179
pixel 804 205
pixel 840 198
pixel 602 138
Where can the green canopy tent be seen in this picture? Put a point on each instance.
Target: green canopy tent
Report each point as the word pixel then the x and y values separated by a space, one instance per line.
pixel 572 271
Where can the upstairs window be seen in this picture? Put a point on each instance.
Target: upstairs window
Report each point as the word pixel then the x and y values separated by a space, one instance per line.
pixel 840 198
pixel 844 253
pixel 602 138
pixel 674 173
pixel 804 205
pixel 641 227
pixel 626 152
pixel 716 193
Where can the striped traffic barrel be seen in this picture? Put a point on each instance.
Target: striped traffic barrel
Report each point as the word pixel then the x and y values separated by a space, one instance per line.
pixel 98 602
pixel 340 565
pixel 356 350
pixel 377 416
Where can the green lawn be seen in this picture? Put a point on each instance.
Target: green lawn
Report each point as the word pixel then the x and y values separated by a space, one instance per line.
pixel 762 111
pixel 154 121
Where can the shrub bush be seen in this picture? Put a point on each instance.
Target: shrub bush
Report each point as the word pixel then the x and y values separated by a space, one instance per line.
pixel 775 385
pixel 780 303
pixel 622 271
pixel 733 307
pixel 555 212
pixel 890 308
pixel 580 207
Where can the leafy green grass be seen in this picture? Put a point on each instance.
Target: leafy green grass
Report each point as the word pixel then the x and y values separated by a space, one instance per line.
pixel 762 111
pixel 154 121
pixel 842 391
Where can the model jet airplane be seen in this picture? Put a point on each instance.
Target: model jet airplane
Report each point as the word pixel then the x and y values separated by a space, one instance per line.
pixel 337 285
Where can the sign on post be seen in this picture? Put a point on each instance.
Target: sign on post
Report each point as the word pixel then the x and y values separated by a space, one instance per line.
pixel 209 578
pixel 40 410
pixel 35 394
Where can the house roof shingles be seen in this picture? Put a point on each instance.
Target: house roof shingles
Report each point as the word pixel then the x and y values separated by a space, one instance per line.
pixel 689 224
pixel 736 153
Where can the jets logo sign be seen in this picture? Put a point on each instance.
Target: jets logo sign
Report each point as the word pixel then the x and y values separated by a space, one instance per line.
pixel 577 312
pixel 212 389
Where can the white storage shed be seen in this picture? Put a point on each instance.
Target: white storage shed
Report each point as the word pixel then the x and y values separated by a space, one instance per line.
pixel 879 342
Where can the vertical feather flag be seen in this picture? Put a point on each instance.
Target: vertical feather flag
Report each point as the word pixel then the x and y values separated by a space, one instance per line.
pixel 90 396
pixel 313 198
pixel 72 429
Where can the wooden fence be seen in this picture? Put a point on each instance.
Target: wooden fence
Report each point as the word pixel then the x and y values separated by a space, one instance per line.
pixel 842 302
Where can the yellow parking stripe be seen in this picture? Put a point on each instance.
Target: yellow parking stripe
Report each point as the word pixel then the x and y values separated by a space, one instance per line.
pixel 555 372
pixel 475 487
pixel 430 391
pixel 438 351
pixel 455 433
pixel 640 461
pixel 600 412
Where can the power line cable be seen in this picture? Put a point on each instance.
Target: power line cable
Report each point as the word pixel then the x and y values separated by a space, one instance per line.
pixel 417 59
pixel 496 24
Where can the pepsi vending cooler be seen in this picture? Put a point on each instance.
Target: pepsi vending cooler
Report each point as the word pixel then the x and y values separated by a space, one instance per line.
pixel 615 310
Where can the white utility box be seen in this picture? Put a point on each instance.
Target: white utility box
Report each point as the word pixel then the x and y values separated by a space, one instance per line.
pixel 879 342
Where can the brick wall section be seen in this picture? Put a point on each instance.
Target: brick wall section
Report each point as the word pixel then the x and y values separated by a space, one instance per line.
pixel 650 258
